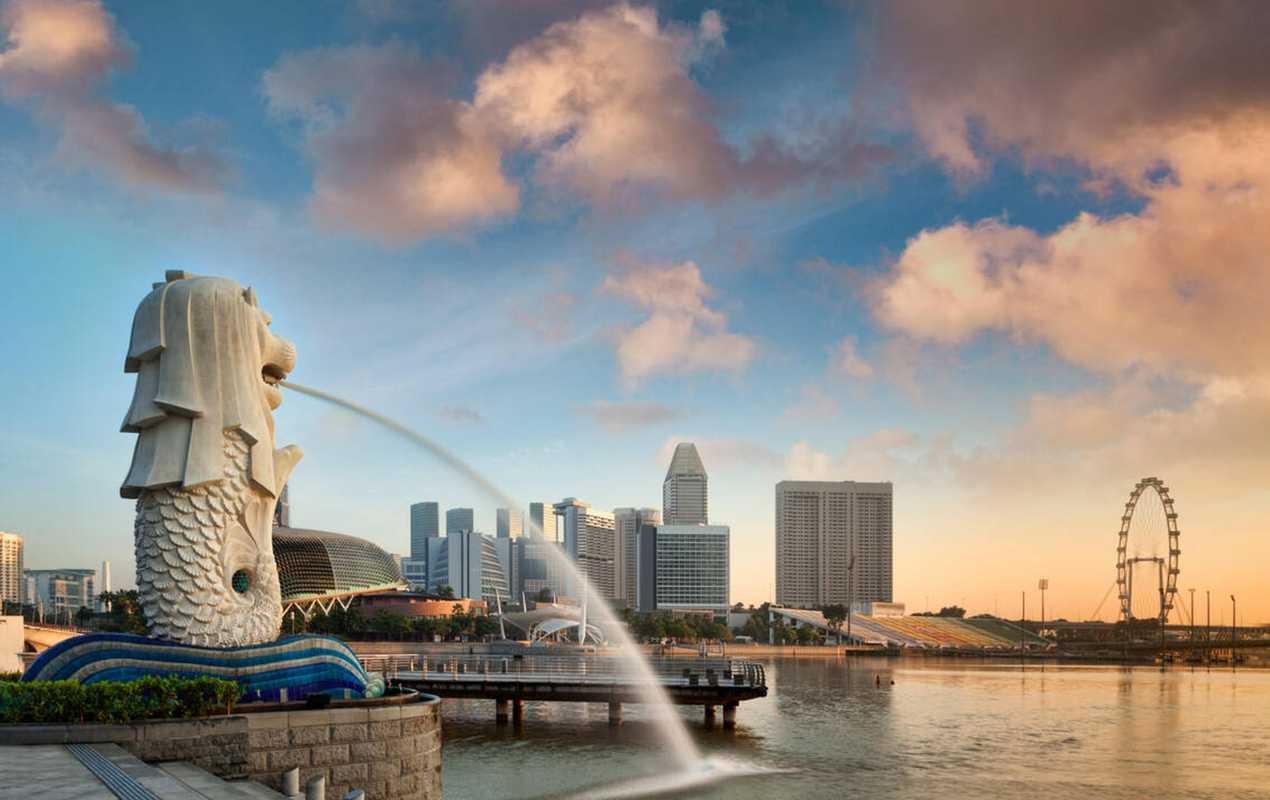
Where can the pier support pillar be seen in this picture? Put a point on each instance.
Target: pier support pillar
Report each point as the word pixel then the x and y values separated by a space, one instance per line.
pixel 729 716
pixel 615 714
pixel 518 712
pixel 709 716
pixel 500 711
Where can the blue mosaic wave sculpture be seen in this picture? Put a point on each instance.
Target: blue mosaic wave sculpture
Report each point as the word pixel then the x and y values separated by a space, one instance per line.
pixel 292 668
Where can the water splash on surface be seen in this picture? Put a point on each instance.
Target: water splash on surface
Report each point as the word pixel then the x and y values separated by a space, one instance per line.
pixel 705 772
pixel 675 737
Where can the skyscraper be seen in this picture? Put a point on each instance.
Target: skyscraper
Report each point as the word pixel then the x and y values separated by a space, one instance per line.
pixel 542 518
pixel 471 566
pixel 510 523
pixel 819 526
pixel 459 519
pixel 425 522
pixel 12 578
pixel 627 525
pixel 692 567
pixel 589 541
pixel 683 493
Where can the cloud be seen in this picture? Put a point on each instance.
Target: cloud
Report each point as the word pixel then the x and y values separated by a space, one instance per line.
pixel 1171 101
pixel 55 56
pixel 1101 83
pixel 621 417
pixel 549 316
pixel 681 334
pixel 813 405
pixel 463 415
pixel 396 158
pixel 724 454
pixel 847 362
pixel 603 106
pixel 879 456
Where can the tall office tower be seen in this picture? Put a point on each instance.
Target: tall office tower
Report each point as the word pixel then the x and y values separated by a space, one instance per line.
pixel 693 567
pixel 472 567
pixel 12 577
pixel 425 523
pixel 627 523
pixel 539 569
pixel 819 525
pixel 282 511
pixel 683 493
pixel 63 592
pixel 646 569
pixel 589 541
pixel 459 519
pixel 510 523
pixel 543 521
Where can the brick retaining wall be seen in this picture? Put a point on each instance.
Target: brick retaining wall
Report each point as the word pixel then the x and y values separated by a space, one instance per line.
pixel 391 751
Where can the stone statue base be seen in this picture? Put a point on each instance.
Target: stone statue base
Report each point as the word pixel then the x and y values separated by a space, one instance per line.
pixel 291 668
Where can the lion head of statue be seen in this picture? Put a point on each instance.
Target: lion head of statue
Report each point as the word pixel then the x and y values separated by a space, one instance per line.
pixel 206 363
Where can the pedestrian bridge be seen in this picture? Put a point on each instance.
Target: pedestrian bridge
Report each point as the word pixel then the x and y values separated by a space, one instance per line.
pixel 514 679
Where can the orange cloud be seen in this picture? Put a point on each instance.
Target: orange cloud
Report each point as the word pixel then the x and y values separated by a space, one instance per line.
pixel 605 104
pixel 681 334
pixel 58 55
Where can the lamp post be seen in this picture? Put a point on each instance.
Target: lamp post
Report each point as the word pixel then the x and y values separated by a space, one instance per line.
pixel 1233 631
pixel 850 594
pixel 1208 626
pixel 1043 584
pixel 1023 626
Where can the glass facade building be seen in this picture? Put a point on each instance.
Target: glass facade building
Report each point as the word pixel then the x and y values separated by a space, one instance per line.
pixel 313 563
pixel 693 567
pixel 425 524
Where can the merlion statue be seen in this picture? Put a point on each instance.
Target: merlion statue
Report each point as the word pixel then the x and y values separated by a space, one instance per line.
pixel 205 472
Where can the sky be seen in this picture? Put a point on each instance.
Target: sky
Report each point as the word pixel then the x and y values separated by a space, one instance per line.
pixel 1009 257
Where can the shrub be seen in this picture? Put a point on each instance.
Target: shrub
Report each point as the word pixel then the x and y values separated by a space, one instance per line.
pixel 151 697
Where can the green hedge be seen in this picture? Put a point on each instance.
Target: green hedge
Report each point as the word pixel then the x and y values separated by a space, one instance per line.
pixel 110 701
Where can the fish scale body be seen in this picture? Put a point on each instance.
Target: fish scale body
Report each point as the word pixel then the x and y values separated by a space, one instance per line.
pixel 180 535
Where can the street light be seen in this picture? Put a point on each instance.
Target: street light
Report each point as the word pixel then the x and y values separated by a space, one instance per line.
pixel 1192 610
pixel 1043 584
pixel 1234 632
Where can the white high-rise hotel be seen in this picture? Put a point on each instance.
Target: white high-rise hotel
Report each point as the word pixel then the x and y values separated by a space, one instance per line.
pixel 691 558
pixel 11 572
pixel 819 525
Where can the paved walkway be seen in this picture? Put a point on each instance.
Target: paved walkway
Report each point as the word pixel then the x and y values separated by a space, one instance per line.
pixel 51 772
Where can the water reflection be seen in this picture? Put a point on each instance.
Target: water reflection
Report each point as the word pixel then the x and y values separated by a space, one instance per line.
pixel 944 729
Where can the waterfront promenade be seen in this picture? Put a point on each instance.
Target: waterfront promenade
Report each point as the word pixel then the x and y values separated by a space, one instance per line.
pixel 512 680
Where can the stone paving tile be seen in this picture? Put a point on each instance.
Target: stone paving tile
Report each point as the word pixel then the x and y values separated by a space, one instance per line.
pixel 50 772
pixel 47 772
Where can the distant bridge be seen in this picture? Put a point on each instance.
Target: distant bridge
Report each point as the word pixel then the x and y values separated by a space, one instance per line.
pixel 512 680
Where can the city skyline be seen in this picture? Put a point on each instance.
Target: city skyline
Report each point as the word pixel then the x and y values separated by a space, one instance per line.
pixel 838 258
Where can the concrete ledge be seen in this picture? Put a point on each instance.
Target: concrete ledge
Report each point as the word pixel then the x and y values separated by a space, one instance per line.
pixel 393 751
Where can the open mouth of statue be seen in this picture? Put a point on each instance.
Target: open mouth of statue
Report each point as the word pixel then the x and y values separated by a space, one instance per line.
pixel 272 374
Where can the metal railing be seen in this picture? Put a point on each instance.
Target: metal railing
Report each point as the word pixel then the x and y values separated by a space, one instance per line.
pixel 606 670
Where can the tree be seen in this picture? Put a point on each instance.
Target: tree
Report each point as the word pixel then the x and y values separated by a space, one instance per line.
pixel 806 634
pixel 445 591
pixel 125 613
pixel 835 615
pixel 544 595
pixel 85 616
pixel 952 611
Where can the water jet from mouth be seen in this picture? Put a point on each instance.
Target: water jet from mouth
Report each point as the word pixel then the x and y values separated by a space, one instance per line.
pixel 674 734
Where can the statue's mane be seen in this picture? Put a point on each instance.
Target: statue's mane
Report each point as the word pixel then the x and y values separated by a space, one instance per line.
pixel 196 352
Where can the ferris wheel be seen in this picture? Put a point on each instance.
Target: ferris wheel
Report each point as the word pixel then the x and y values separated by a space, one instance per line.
pixel 1148 538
